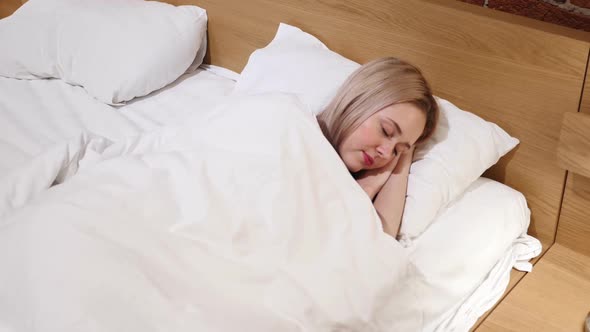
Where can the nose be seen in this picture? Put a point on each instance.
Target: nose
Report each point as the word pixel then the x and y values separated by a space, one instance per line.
pixel 385 149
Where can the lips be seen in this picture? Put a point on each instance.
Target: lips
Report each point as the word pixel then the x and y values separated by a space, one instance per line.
pixel 368 160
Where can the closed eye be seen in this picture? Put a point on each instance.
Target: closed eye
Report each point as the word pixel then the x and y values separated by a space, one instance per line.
pixel 385 132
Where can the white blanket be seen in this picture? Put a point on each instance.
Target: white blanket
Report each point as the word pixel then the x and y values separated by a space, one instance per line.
pixel 246 220
pixel 38 114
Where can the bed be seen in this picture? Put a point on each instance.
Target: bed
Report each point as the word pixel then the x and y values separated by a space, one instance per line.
pixel 519 60
pixel 509 71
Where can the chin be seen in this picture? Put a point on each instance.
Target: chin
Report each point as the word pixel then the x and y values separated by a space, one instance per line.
pixel 354 167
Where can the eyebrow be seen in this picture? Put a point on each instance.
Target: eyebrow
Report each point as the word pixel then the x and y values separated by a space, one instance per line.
pixel 399 130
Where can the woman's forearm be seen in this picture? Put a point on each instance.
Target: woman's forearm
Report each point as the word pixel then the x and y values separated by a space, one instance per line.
pixel 391 199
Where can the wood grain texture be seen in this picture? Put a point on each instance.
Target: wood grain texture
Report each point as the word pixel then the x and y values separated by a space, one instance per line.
pixel 573 152
pixel 7 7
pixel 509 71
pixel 585 104
pixel 515 277
pixel 554 297
pixel 574 224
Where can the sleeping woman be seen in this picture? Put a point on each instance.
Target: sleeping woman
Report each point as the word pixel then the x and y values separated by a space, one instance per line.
pixel 381 112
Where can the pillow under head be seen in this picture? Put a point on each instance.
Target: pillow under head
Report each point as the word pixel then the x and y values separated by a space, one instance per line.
pixel 462 148
pixel 298 63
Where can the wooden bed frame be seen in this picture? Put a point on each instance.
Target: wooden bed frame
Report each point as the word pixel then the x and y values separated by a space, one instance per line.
pixel 517 72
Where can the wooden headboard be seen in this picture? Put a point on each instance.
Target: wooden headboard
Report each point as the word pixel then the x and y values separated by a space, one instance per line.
pixel 519 73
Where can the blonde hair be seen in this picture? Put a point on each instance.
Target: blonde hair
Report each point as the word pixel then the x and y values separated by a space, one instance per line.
pixel 372 87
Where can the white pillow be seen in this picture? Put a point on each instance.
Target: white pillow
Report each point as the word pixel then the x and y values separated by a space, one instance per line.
pixel 116 50
pixel 488 215
pixel 298 63
pixel 466 240
pixel 462 147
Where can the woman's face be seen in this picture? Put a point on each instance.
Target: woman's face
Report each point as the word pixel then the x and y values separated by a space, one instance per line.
pixel 383 137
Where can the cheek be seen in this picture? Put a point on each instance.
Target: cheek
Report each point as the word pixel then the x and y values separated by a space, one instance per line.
pixel 363 137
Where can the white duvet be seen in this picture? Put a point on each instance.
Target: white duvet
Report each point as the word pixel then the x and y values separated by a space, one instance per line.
pixel 244 220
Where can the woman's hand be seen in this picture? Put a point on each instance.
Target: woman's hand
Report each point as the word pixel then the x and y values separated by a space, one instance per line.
pixel 404 162
pixel 372 180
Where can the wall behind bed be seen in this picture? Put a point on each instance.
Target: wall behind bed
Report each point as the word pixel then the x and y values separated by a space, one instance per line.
pixel 507 69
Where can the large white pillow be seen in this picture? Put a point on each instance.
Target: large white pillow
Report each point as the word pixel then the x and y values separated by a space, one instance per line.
pixel 462 148
pixel 116 50
pixel 456 253
pixel 298 63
